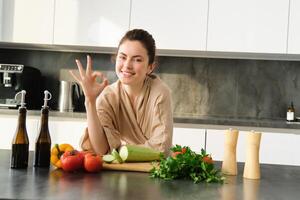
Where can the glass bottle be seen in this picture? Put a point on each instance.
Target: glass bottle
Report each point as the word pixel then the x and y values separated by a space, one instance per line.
pixel 20 142
pixel 43 141
pixel 290 115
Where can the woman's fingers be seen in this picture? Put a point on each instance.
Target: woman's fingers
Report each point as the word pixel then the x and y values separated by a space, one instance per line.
pixel 75 76
pixel 80 68
pixel 89 65
pixel 101 76
pixel 97 73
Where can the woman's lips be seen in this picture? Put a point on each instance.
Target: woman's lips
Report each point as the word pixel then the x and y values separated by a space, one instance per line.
pixel 127 74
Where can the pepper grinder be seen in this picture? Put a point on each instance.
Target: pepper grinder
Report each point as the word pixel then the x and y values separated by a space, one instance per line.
pixel 252 168
pixel 229 165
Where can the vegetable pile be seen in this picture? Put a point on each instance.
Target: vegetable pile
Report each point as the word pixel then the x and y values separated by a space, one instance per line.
pixel 185 163
pixel 64 156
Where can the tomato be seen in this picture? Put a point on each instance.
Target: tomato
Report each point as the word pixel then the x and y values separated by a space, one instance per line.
pixel 92 162
pixel 174 154
pixel 207 159
pixel 72 160
pixel 183 150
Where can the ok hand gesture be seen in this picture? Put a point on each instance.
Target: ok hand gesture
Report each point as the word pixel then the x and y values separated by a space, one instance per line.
pixel 87 79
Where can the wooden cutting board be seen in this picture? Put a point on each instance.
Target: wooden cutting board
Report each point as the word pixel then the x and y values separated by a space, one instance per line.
pixel 137 167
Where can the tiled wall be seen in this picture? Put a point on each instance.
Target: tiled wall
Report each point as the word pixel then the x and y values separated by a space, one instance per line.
pixel 201 86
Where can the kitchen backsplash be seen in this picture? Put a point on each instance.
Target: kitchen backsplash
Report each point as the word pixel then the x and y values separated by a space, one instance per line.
pixel 201 86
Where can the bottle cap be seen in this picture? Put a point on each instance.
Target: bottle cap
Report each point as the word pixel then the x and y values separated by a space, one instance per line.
pixel 22 93
pixel 47 97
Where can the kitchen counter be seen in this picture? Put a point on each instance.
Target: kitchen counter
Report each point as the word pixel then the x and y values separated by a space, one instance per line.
pixel 277 182
pixel 202 121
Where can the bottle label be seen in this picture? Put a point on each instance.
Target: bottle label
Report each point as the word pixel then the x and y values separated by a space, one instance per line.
pixel 290 116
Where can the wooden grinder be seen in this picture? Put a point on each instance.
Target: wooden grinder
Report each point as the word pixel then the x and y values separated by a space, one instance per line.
pixel 252 168
pixel 229 165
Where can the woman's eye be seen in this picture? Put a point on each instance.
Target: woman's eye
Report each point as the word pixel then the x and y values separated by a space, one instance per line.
pixel 122 57
pixel 138 60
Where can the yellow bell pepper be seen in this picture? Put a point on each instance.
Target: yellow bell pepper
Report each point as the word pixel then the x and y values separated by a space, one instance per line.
pixel 57 151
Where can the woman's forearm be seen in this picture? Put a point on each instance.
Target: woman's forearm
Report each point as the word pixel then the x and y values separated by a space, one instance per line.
pixel 95 129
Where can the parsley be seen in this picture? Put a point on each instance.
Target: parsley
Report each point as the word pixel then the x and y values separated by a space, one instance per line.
pixel 187 164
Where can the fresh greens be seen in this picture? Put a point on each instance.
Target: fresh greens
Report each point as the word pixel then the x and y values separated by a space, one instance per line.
pixel 185 163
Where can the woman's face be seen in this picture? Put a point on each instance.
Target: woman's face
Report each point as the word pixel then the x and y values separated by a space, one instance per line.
pixel 132 63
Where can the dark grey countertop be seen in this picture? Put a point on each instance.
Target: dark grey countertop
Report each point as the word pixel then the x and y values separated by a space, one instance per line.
pixel 278 123
pixel 277 182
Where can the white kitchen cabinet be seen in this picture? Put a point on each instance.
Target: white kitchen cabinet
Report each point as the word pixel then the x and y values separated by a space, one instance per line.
pixel 174 24
pixel 275 148
pixel 192 137
pixel 27 21
pixel 91 23
pixel 61 130
pixel 8 126
pixel 294 28
pixel 1 18
pixel 258 26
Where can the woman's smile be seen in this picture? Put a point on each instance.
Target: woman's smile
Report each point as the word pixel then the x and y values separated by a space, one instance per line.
pixel 127 74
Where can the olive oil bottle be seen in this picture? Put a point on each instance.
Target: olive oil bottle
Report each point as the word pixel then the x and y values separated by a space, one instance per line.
pixel 43 141
pixel 20 142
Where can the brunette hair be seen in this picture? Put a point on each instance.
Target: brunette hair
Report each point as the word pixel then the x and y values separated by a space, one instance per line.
pixel 143 37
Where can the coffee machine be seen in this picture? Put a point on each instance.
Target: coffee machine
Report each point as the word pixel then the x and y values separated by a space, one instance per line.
pixel 16 77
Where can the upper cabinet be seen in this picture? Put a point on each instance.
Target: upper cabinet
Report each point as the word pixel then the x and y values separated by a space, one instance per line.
pixel 174 24
pixel 258 26
pixel 91 23
pixel 294 28
pixel 27 21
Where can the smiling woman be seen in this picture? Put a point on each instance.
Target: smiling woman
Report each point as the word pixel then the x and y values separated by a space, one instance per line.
pixel 136 109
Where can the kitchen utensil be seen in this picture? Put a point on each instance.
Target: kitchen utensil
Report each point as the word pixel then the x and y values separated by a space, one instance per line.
pixel 68 92
pixel 229 165
pixel 252 168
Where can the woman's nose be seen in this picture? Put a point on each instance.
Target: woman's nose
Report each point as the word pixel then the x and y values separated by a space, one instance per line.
pixel 127 64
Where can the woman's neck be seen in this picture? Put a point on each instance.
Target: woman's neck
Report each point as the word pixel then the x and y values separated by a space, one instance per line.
pixel 133 91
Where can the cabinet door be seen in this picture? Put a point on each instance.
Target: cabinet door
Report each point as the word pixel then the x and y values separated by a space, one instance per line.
pixel 27 21
pixel 294 28
pixel 174 24
pixel 258 26
pixel 91 23
pixel 8 126
pixel 1 19
pixel 194 138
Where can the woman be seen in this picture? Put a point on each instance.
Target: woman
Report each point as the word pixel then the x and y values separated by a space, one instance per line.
pixel 136 109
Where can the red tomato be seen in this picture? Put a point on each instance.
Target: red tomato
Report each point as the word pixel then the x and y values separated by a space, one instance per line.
pixel 208 159
pixel 174 154
pixel 92 162
pixel 183 150
pixel 72 160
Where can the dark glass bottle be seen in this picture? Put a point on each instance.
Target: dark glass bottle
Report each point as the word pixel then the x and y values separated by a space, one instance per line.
pixel 20 142
pixel 290 115
pixel 43 141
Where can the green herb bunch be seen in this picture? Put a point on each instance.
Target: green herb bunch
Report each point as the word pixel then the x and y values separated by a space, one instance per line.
pixel 185 163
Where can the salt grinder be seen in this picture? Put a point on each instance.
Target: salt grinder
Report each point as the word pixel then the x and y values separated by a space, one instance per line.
pixel 252 168
pixel 229 165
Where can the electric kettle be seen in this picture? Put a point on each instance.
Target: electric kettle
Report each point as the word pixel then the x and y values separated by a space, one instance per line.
pixel 68 93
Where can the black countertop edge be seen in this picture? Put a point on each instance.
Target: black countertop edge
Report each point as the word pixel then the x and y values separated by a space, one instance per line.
pixel 278 123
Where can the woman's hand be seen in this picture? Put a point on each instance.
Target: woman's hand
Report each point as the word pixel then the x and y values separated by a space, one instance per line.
pixel 87 79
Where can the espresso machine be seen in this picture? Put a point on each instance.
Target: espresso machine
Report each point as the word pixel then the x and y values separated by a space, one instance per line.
pixel 17 77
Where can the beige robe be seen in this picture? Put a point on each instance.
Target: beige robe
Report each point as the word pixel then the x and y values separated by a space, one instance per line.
pixel 148 123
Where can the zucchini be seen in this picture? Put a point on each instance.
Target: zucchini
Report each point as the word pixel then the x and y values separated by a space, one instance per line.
pixel 115 154
pixel 108 158
pixel 133 153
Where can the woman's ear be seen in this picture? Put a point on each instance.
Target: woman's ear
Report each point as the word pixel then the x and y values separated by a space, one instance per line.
pixel 151 68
